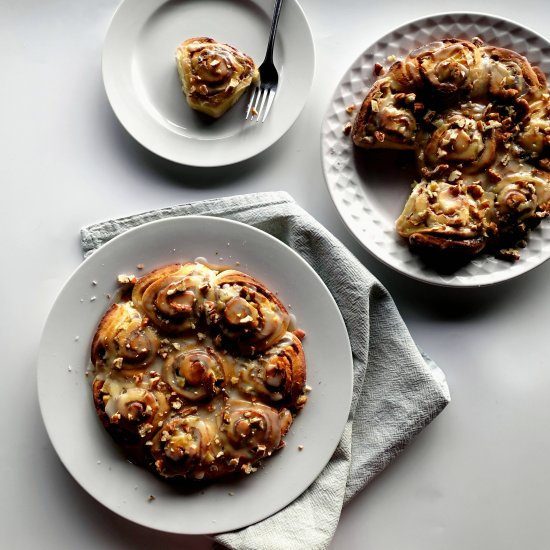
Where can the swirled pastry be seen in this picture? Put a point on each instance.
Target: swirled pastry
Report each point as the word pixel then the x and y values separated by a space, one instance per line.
pixel 276 376
pixel 478 119
pixel 213 75
pixel 444 70
pixel 173 297
pixel 534 135
pixel 386 118
pixel 460 140
pixel 123 340
pixel 440 215
pixel 198 373
pixel 247 314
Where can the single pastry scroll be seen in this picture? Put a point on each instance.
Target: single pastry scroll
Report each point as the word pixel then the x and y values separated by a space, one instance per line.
pixel 213 75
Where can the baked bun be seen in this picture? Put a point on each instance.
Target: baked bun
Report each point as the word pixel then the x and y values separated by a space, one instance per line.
pixel 247 314
pixel 197 371
pixel 440 215
pixel 478 119
pixel 213 75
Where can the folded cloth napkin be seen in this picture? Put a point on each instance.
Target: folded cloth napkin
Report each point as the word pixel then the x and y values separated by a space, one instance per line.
pixel 396 389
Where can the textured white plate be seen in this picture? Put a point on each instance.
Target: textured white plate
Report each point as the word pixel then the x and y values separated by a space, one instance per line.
pixel 369 188
pixel 143 87
pixel 90 454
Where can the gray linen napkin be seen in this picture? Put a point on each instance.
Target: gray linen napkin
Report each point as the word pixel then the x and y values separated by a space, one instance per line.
pixel 396 389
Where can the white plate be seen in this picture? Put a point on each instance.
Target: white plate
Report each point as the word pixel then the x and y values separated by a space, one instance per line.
pixel 369 188
pixel 143 87
pixel 93 458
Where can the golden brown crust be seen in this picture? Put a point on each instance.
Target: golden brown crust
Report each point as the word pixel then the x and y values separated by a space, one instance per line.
pixel 217 391
pixel 276 376
pixel 444 69
pixel 213 75
pixel 173 297
pixel 123 340
pixel 534 135
pixel 195 372
pixel 478 118
pixel 460 139
pixel 385 119
pixel 511 76
pixel 444 215
pixel 246 313
pixel 131 413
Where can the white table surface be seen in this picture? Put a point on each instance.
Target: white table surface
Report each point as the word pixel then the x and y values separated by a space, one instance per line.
pixel 477 477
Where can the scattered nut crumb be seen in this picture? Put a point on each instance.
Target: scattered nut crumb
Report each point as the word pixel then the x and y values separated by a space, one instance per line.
pixel 493 175
pixel 124 279
pixel 378 69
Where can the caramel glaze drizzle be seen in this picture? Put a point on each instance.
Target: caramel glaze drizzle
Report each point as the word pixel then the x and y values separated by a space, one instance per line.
pixel 205 405
pixel 478 118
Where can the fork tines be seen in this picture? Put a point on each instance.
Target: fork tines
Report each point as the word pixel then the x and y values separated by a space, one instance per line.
pixel 260 103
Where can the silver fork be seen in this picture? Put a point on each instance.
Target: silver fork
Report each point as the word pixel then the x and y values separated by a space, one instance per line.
pixel 263 95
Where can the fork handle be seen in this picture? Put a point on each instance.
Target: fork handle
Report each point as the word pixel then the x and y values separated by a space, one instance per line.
pixel 273 31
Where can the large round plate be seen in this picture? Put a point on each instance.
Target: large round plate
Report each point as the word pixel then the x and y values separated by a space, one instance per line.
pixel 143 87
pixel 93 458
pixel 369 188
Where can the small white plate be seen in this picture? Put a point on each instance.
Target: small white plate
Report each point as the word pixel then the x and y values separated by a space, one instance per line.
pixel 94 459
pixel 143 87
pixel 369 188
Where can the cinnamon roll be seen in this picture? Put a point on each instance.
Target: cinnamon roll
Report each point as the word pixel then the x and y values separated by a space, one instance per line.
pixel 441 70
pixel 185 447
pixel 278 375
pixel 131 413
pixel 478 119
pixel 195 373
pixel 252 430
pixel 213 75
pixel 449 217
pixel 522 195
pixel 247 314
pixel 460 139
pixel 511 76
pixel 385 119
pixel 173 297
pixel 124 340
pixel 534 136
